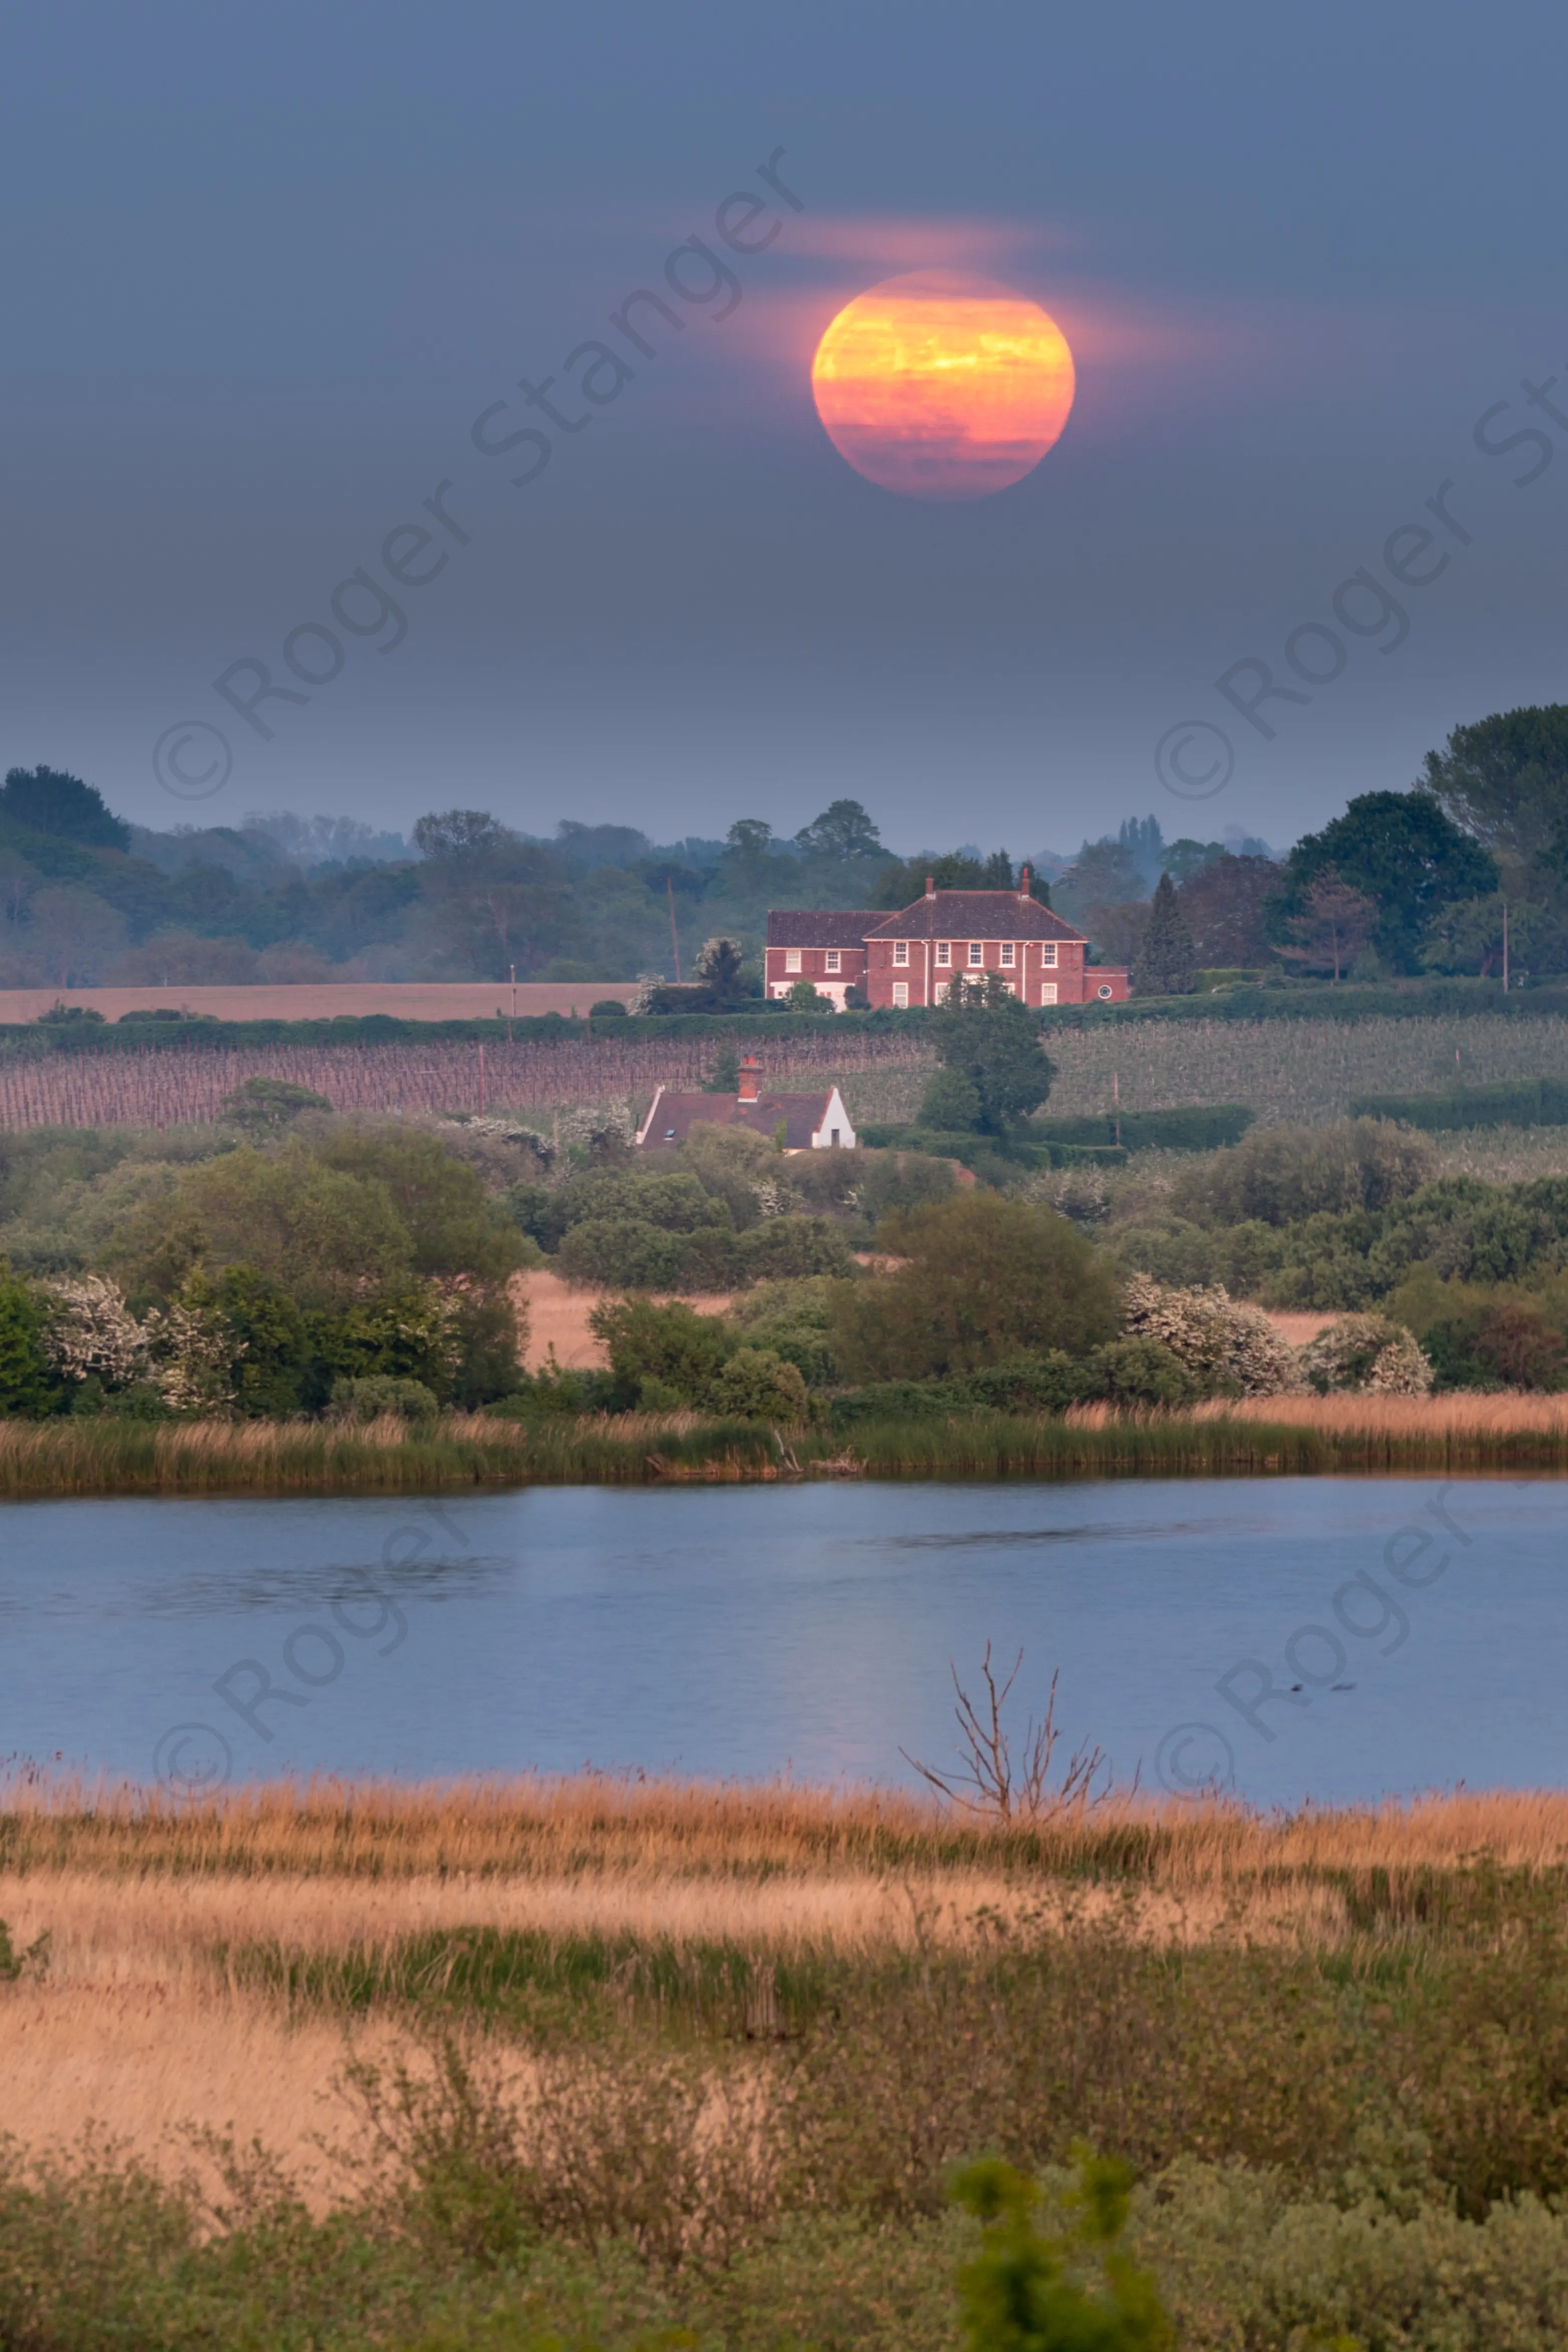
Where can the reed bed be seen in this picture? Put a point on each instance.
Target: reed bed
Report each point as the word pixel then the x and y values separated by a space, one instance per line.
pixel 734 1837
pixel 1257 1437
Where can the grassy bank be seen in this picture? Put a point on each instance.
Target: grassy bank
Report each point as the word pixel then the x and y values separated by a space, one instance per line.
pixel 584 2061
pixel 1287 1436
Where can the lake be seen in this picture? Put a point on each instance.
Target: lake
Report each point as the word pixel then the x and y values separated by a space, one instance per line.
pixel 1332 1637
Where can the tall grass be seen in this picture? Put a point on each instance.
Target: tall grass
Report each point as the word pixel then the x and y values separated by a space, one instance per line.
pixel 1254 1437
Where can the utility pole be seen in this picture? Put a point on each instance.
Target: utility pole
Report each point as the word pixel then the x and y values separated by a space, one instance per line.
pixel 1116 1098
pixel 673 936
pixel 514 992
pixel 481 1078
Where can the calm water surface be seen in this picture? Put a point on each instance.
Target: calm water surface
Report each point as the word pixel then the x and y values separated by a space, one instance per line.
pixel 745 1630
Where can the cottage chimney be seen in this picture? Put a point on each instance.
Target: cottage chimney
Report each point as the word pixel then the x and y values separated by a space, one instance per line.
pixel 1024 883
pixel 750 1072
pixel 930 885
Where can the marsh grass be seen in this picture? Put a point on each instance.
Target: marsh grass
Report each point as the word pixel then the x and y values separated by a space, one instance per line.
pixel 1253 1437
pixel 579 2060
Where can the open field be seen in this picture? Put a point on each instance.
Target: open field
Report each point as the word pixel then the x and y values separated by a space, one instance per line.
pixel 558 1318
pixel 414 1000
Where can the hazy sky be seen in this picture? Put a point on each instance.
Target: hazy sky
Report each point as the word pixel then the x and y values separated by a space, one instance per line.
pixel 265 266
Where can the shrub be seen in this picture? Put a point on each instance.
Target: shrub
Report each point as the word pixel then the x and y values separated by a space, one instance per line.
pixel 268 1105
pixel 1519 1344
pixel 985 1277
pixel 1283 1174
pixel 673 1346
pixel 1138 1371
pixel 607 1008
pixel 795 1320
pixel 368 1400
pixel 1225 1348
pixel 785 1246
pixel 26 1387
pixel 1509 1102
pixel 1072 2289
pixel 901 1180
pixel 757 1384
pixel 1366 1355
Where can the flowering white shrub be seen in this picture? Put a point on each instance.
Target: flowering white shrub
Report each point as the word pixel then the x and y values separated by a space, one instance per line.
pixel 1228 1347
pixel 90 1332
pixel 192 1353
pixel 1366 1355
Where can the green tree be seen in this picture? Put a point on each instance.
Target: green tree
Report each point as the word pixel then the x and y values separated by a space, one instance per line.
pixel 804 997
pixel 681 1352
pixel 275 1363
pixel 721 969
pixel 952 869
pixel 1167 963
pixel 989 1035
pixel 984 1278
pixel 25 1385
pixel 951 1104
pixel 749 856
pixel 758 1384
pixel 1181 860
pixel 843 833
pixel 47 799
pixel 326 1236
pixel 455 1230
pixel 1404 853
pixel 1505 779
pixel 1334 924
pixel 461 836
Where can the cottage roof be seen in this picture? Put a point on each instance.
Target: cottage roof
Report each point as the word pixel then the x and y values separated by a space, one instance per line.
pixel 791 927
pixel 803 1116
pixel 974 915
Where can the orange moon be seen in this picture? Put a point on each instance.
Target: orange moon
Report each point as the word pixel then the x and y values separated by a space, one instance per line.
pixel 939 386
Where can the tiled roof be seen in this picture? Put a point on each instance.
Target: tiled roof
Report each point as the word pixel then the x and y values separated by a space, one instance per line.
pixel 811 927
pixel 975 915
pixel 802 1115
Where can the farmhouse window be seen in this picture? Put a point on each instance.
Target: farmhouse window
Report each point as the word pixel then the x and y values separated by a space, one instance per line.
pixel 900 993
pixel 900 951
pixel 977 951
pixel 1007 951
pixel 792 959
pixel 833 959
pixel 1048 952
pixel 945 950
pixel 833 1137
pixel 1048 991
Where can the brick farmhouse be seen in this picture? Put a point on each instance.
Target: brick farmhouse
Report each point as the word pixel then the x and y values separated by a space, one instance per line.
pixel 911 958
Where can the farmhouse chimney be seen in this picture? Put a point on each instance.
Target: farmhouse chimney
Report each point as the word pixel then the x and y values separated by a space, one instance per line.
pixel 1024 882
pixel 750 1073
pixel 930 885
